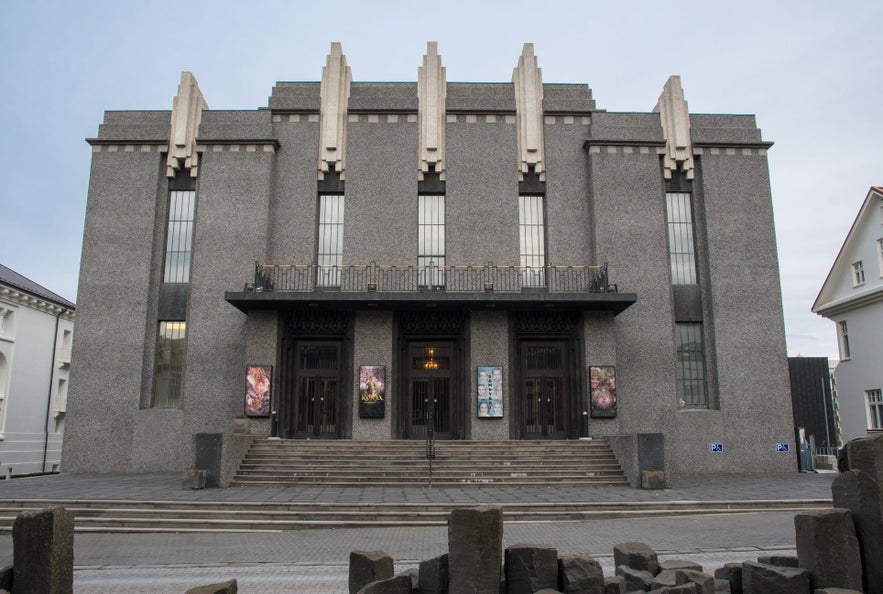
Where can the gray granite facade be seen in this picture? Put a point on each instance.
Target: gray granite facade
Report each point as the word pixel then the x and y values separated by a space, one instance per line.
pixel 257 202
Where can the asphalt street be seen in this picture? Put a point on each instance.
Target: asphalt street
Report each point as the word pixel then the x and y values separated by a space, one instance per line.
pixel 316 560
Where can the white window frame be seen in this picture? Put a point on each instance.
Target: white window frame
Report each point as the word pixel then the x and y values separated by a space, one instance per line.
pixel 843 340
pixel 431 240
pixel 874 404
pixel 169 361
pixel 330 250
pixel 532 240
pixel 880 255
pixel 692 375
pixel 681 238
pixel 858 274
pixel 181 219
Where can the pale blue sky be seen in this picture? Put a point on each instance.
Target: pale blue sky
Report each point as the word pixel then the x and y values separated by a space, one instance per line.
pixel 812 72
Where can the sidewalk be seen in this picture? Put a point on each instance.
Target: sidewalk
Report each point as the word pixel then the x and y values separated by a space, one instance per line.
pixel 167 487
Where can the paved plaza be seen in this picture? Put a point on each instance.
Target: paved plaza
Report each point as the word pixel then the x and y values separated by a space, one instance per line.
pixel 167 487
pixel 316 560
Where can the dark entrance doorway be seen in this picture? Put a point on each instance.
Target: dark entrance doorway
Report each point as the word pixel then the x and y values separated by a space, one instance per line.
pixel 311 399
pixel 430 362
pixel 429 389
pixel 317 390
pixel 544 389
pixel 547 357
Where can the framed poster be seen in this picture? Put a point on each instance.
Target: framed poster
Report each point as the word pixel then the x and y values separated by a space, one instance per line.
pixel 489 396
pixel 258 381
pixel 602 383
pixel 372 391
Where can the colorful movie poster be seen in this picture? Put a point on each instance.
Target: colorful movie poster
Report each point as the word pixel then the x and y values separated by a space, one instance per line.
pixel 258 380
pixel 372 391
pixel 602 381
pixel 489 399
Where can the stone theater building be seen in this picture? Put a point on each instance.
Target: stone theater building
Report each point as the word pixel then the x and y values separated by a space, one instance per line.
pixel 372 261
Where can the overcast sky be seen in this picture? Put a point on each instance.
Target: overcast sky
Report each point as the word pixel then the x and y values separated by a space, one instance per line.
pixel 812 72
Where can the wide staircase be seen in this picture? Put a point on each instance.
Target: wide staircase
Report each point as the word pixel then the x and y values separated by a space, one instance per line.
pixel 349 463
pixel 287 479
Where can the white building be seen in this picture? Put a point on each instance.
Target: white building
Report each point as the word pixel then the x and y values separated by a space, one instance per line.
pixel 36 330
pixel 852 297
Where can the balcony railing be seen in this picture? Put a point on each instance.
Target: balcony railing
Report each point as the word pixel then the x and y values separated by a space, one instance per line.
pixel 307 278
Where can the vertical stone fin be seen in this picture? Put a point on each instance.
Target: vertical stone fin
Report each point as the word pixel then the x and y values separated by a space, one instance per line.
pixel 672 108
pixel 431 93
pixel 334 95
pixel 528 80
pixel 187 109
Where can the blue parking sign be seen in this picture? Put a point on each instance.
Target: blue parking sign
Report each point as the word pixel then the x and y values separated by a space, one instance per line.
pixel 716 447
pixel 782 447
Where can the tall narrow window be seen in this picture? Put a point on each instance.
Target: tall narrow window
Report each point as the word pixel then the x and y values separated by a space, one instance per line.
pixel 875 409
pixel 179 237
pixel 169 364
pixel 330 239
pixel 681 246
pixel 531 224
pixel 690 351
pixel 431 240
pixel 858 273
pixel 844 339
pixel 880 256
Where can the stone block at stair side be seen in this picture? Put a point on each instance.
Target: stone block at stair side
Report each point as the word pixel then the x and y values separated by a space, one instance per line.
pixel 475 550
pixel 635 579
pixel 731 573
pixel 433 575
pixel 779 560
pixel 43 552
pixel 758 578
pixel 368 566
pixel 858 492
pixel 530 568
pixel 614 584
pixel 867 455
pixel 828 549
pixel 636 555
pixel 679 564
pixel 704 582
pixel 580 574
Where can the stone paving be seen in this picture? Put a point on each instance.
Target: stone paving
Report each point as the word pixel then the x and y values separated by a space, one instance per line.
pixel 167 487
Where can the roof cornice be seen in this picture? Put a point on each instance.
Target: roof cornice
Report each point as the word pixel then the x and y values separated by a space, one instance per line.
pixel 850 303
pixel 23 298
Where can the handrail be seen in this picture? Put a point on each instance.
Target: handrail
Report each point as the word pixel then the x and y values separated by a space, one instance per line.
pixel 450 279
pixel 430 442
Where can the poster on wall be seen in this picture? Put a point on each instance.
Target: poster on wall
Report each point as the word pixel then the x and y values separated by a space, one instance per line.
pixel 489 398
pixel 603 391
pixel 372 391
pixel 258 380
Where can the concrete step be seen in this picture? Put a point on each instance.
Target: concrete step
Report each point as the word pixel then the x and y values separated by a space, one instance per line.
pixel 417 480
pixel 403 463
pixel 145 516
